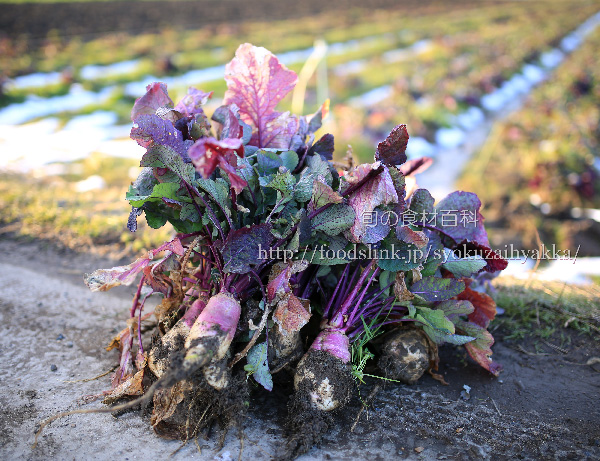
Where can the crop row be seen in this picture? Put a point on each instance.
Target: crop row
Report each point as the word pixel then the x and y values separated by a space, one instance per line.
pixel 124 58
pixel 456 72
pixel 540 169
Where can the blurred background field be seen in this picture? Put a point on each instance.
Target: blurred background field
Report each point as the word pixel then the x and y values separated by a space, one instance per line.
pixel 504 95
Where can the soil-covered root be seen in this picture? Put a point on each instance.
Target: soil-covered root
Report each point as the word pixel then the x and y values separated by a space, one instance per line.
pixel 284 348
pixel 212 332
pixel 186 409
pixel 323 385
pixel 405 355
pixel 163 349
pixel 173 341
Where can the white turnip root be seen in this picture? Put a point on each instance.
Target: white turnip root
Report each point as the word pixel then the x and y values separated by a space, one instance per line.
pixel 283 348
pixel 173 341
pixel 323 376
pixel 405 355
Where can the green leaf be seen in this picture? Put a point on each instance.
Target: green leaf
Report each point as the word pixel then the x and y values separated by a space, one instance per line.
pixel 189 213
pixel 218 190
pixel 164 156
pixel 394 255
pixel 438 327
pixel 282 182
pixel 456 307
pixel 294 244
pixel 304 188
pixel 319 167
pixel 439 337
pixel 462 267
pixel 385 278
pixel 434 318
pixel 421 203
pixel 434 289
pixel 155 220
pixel 160 191
pixel 258 366
pixel 334 220
pixel 267 162
pixel 289 159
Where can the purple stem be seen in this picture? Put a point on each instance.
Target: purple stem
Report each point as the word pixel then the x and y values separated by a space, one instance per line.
pixel 139 326
pixel 193 234
pixel 136 300
pixel 211 213
pixel 375 298
pixel 372 174
pixel 337 287
pixel 350 299
pixel 427 226
pixel 300 162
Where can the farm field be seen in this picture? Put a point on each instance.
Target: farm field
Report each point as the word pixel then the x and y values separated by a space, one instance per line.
pixel 545 160
pixel 442 71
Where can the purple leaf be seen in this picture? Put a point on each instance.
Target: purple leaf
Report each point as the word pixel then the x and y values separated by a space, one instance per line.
pixel 494 262
pixel 413 167
pixel 192 102
pixel 156 96
pixel 105 279
pixel 150 130
pixel 392 151
pixel 434 289
pixel 243 248
pixel 379 227
pixel 324 147
pixel 256 82
pixel 458 216
pixel 209 153
pixel 233 126
pixel 132 221
pixel 376 191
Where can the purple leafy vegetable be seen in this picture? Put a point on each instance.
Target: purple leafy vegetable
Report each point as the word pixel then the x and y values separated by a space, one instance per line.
pixel 156 96
pixel 256 82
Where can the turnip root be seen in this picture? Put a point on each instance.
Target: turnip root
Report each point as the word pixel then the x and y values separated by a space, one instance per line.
pixel 291 313
pixel 212 332
pixel 405 355
pixel 323 381
pixel 217 374
pixel 173 341
pixel 283 348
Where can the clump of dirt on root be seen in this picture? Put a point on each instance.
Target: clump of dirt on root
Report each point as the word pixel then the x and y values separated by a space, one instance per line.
pixel 307 423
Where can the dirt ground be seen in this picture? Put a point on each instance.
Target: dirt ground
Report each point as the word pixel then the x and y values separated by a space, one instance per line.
pixel 541 407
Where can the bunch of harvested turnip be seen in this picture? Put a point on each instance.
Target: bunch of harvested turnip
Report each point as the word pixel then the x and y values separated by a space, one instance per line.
pixel 272 240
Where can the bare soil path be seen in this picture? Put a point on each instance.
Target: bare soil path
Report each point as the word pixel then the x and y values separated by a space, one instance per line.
pixel 541 407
